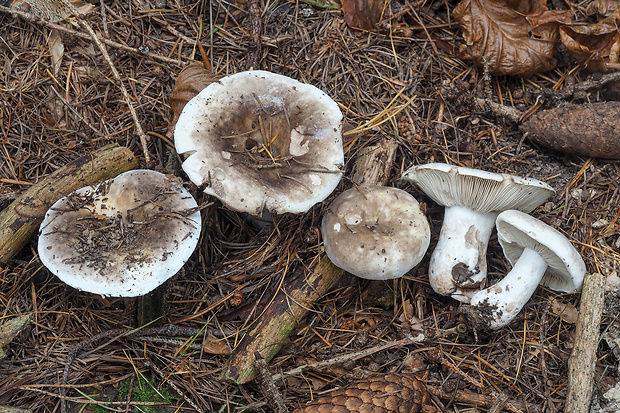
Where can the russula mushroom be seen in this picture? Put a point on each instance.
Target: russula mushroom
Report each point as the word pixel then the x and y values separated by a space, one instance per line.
pixel 375 232
pixel 261 141
pixel 123 237
pixel 473 199
pixel 539 254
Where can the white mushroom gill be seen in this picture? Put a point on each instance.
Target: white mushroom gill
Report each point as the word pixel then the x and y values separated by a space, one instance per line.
pixel 473 199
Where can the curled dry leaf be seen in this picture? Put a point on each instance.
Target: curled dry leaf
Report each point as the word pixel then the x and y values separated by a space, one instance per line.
pixel 591 129
pixel 190 82
pixel 362 14
pixel 595 45
pixel 510 37
pixel 602 7
pixel 567 312
pixel 385 393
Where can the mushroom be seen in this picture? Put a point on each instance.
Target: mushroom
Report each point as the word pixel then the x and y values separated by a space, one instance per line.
pixel 261 141
pixel 123 237
pixel 375 232
pixel 539 254
pixel 473 199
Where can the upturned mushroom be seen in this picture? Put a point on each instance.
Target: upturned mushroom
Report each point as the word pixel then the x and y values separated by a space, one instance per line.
pixel 375 232
pixel 123 237
pixel 473 199
pixel 261 141
pixel 539 254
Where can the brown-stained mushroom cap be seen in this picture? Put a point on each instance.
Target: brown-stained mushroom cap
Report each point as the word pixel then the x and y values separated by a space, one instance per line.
pixel 375 232
pixel 257 140
pixel 123 237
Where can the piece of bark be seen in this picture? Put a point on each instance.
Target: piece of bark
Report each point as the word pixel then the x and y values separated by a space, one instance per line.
pixel 373 165
pixel 389 393
pixel 589 129
pixel 23 216
pixel 582 362
pixel 299 291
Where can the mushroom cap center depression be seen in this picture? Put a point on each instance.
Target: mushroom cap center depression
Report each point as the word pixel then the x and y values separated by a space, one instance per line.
pixel 122 238
pixel 260 140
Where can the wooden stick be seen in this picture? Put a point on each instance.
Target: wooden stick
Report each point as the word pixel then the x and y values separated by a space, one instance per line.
pixel 301 290
pixel 582 362
pixel 24 215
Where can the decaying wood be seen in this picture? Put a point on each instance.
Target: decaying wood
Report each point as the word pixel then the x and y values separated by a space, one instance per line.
pixel 389 393
pixel 300 290
pixel 373 165
pixel 24 215
pixel 589 129
pixel 582 362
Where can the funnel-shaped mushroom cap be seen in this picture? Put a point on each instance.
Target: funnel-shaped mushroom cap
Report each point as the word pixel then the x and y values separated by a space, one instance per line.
pixel 517 231
pixel 481 191
pixel 122 238
pixel 375 232
pixel 257 140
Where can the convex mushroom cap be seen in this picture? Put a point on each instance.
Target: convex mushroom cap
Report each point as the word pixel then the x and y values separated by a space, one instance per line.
pixel 123 237
pixel 473 199
pixel 539 254
pixel 257 140
pixel 375 232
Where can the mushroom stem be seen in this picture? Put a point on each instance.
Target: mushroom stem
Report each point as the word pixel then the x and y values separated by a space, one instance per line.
pixel 458 266
pixel 505 299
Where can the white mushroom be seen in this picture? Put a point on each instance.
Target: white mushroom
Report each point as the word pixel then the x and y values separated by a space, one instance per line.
pixel 257 140
pixel 473 199
pixel 375 232
pixel 539 254
pixel 123 237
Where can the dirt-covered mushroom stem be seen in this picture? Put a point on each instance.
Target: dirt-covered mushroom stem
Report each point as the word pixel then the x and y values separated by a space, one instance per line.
pixel 473 199
pixel 540 255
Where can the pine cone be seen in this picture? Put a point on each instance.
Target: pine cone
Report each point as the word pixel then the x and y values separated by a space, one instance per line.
pixel 385 393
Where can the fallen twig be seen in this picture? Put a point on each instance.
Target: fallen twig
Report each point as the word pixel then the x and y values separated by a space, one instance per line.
pixel 24 215
pixel 300 290
pixel 72 32
pixel 582 362
pixel 117 77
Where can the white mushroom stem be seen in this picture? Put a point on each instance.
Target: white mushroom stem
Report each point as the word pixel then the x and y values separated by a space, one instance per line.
pixel 458 266
pixel 504 300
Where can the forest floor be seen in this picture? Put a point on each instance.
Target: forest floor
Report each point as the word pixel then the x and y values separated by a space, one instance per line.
pixel 59 100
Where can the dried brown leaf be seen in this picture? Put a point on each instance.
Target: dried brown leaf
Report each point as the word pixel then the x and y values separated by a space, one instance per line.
pixel 190 82
pixel 602 7
pixel 510 37
pixel 594 45
pixel 566 311
pixel 57 49
pixel 362 14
